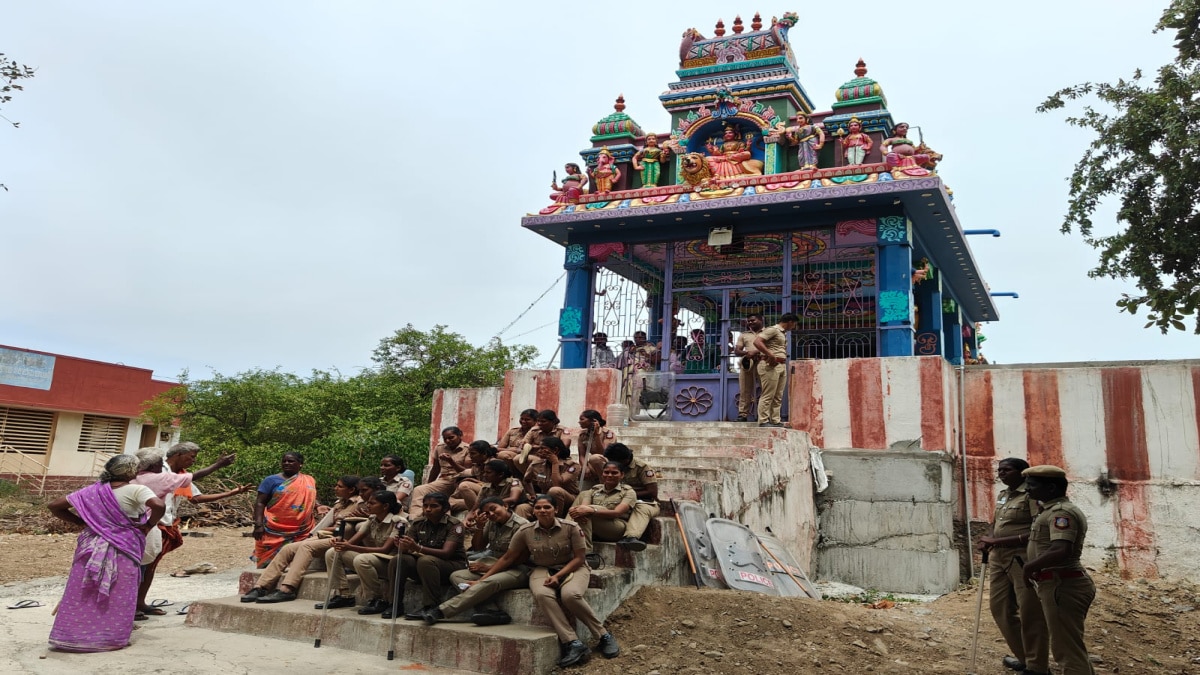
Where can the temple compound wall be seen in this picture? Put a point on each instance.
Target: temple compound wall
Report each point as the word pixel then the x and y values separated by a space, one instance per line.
pixel 1128 435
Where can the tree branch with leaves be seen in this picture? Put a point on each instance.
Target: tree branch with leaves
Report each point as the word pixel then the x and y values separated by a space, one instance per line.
pixel 11 74
pixel 1146 153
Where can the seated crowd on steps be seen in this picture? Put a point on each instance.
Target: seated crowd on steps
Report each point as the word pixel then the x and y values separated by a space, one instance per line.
pixel 521 514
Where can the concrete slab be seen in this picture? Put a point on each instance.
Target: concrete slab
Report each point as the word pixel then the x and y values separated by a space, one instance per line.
pixel 165 644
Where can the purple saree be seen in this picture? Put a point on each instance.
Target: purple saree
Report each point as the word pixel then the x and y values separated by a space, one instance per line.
pixel 96 612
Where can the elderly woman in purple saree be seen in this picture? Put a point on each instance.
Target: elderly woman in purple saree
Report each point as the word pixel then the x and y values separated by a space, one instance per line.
pixel 96 612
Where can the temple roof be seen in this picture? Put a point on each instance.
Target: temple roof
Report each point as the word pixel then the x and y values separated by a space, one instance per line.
pixel 862 90
pixel 616 124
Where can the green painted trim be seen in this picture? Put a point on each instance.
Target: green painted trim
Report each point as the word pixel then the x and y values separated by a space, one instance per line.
pixel 858 101
pixel 727 67
pixel 608 137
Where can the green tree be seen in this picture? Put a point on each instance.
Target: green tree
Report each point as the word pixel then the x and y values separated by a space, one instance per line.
pixel 11 74
pixel 413 363
pixel 1147 154
pixel 340 424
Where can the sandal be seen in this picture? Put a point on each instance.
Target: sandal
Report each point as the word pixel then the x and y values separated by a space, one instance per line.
pixel 25 604
pixel 152 611
pixel 161 602
pixel 184 609
pixel 180 575
pixel 140 616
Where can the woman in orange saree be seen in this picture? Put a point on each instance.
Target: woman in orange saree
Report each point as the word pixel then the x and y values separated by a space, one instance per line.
pixel 284 510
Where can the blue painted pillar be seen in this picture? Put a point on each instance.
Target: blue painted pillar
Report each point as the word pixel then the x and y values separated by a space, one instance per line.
pixel 928 294
pixel 952 331
pixel 575 317
pixel 893 306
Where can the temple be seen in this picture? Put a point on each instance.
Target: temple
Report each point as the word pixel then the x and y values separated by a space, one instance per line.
pixel 755 202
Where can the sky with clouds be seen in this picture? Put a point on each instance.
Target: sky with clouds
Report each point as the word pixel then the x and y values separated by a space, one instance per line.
pixel 228 185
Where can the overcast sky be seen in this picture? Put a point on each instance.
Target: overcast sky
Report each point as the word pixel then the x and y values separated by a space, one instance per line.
pixel 229 185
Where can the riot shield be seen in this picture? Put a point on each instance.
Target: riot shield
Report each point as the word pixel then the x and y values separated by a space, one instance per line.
pixel 707 567
pixel 788 575
pixel 740 556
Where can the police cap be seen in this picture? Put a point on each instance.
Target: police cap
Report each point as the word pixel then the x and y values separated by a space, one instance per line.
pixel 1044 471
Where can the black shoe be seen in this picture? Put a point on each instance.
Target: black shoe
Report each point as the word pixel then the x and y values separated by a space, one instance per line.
pixel 492 617
pixel 336 602
pixel 594 561
pixel 416 614
pixel 574 652
pixel 1012 663
pixel 741 418
pixel 608 646
pixel 432 616
pixel 254 594
pixel 277 596
pixel 632 543
pixel 374 606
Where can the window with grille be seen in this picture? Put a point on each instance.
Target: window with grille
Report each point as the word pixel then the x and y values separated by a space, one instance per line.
pixel 28 431
pixel 103 434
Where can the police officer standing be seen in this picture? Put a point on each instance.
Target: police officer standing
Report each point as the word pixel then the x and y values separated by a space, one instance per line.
pixel 1015 606
pixel 1064 588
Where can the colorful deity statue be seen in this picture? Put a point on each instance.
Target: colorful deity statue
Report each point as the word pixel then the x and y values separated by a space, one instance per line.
pixel 856 144
pixel 606 173
pixel 649 160
pixel 572 185
pixel 906 159
pixel 732 158
pixel 809 139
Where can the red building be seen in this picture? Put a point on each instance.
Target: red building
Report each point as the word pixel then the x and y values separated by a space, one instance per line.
pixel 62 417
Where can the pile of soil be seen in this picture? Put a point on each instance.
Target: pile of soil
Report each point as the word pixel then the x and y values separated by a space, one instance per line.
pixel 1134 627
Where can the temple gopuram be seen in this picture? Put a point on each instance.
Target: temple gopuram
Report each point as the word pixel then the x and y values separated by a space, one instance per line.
pixel 756 202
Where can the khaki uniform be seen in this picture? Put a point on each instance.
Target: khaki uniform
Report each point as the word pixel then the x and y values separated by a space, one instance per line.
pixel 747 377
pixel 298 555
pixel 564 489
pixel 401 487
pixel 637 476
pixel 601 527
pixel 1015 607
pixel 450 464
pixel 431 571
pixel 1066 591
pixel 498 538
pixel 368 566
pixel 502 491
pixel 533 438
pixel 512 439
pixel 772 378
pixel 549 549
pixel 592 444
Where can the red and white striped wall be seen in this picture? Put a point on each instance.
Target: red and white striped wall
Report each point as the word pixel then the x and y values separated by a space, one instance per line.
pixel 1137 426
pixel 488 412
pixel 871 404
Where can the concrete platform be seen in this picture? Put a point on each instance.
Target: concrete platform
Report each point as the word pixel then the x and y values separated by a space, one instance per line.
pixel 514 648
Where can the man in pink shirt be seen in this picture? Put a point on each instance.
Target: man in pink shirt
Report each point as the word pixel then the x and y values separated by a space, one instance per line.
pixel 170 481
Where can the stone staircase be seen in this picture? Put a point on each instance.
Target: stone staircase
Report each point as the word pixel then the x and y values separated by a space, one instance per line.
pixel 757 476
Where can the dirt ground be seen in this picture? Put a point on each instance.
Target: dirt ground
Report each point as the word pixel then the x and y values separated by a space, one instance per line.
pixel 1134 627
pixel 1142 626
pixel 33 556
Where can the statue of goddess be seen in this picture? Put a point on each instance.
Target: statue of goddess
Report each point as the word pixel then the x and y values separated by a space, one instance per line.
pixel 903 156
pixel 856 145
pixel 649 160
pixel 809 139
pixel 732 158
pixel 572 185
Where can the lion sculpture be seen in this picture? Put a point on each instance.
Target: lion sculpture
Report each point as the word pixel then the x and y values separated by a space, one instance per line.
pixel 695 170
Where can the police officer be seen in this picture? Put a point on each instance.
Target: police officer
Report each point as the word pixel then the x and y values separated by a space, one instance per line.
pixel 1015 607
pixel 429 552
pixel 641 477
pixel 1064 588
pixel 556 550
